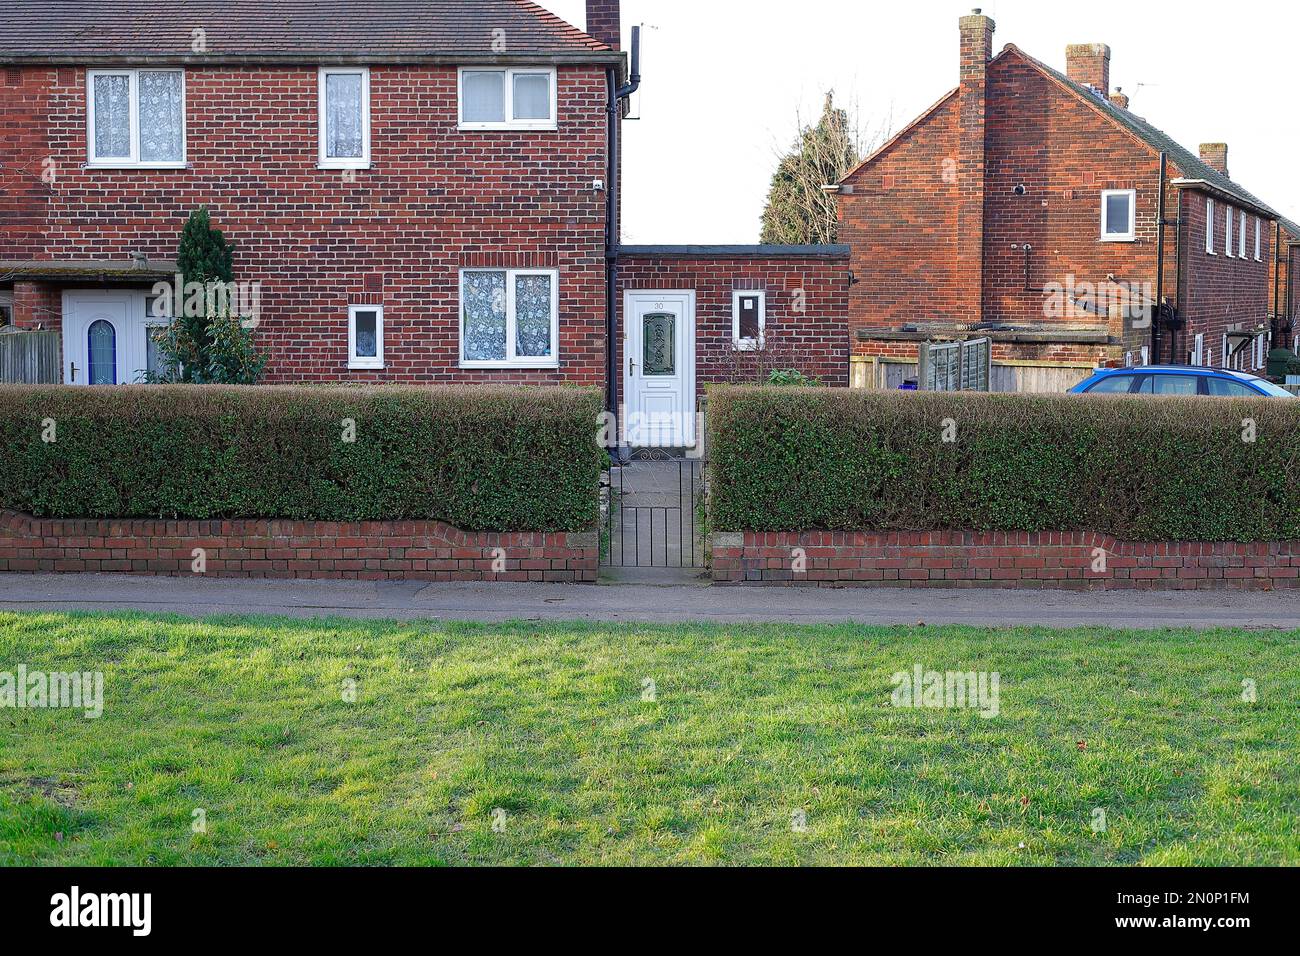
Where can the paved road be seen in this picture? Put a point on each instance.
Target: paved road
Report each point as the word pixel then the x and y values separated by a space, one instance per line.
pixel 642 602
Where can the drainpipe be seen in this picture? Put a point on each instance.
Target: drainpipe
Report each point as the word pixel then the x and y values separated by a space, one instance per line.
pixel 1277 283
pixel 617 94
pixel 1160 261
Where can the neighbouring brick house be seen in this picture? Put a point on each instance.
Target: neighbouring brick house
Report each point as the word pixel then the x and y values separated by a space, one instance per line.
pixel 1027 206
pixel 426 192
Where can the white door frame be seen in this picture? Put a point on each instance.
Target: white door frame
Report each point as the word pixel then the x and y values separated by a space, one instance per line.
pixel 683 434
pixel 131 347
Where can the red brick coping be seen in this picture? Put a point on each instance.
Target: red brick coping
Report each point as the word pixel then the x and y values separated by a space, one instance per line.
pixel 366 550
pixel 1008 560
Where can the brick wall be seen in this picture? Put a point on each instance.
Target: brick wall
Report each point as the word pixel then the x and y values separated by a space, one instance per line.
pixel 1073 560
pixel 37 305
pixel 372 550
pixel 1221 292
pixel 436 199
pixel 816 338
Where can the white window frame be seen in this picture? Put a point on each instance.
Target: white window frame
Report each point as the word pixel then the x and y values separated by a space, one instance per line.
pixel 1129 236
pixel 512 360
pixel 1241 238
pixel 1227 240
pixel 1258 232
pixel 1209 228
pixel 133 161
pixel 747 344
pixel 343 162
pixel 509 103
pixel 1198 349
pixel 365 362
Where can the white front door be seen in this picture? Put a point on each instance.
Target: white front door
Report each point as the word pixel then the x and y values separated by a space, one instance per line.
pixel 659 369
pixel 106 338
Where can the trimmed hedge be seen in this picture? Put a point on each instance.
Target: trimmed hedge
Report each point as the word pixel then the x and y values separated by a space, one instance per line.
pixel 481 459
pixel 1147 469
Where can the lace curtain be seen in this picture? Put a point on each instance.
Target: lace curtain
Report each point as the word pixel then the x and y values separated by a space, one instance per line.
pixel 532 316
pixel 112 117
pixel 484 298
pixel 484 97
pixel 162 119
pixel 532 99
pixel 343 116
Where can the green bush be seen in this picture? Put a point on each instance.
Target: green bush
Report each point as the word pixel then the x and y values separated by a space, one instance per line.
pixel 482 459
pixel 1138 468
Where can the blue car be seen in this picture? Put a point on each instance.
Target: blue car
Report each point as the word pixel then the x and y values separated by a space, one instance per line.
pixel 1178 380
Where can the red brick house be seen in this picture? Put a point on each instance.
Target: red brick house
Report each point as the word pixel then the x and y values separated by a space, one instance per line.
pixel 424 192
pixel 1036 209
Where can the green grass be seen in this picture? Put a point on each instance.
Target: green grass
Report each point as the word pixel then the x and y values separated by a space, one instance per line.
pixel 245 719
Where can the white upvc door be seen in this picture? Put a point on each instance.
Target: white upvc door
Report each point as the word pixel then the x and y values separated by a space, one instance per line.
pixel 659 368
pixel 105 337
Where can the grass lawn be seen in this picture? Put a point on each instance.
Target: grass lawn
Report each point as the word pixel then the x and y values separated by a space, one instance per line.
pixel 245 719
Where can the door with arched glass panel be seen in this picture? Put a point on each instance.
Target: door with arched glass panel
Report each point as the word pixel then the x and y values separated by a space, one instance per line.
pixel 96 344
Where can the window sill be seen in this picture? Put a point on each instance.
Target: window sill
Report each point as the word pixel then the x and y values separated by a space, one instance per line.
pixel 746 345
pixel 511 366
pixel 508 127
pixel 348 165
pixel 367 367
pixel 183 165
pixel 1118 239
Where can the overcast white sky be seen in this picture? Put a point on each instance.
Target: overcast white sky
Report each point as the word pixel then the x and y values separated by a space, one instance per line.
pixel 724 80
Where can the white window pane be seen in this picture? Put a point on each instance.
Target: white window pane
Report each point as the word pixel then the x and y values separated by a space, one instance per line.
pixel 343 133
pixel 484 98
pixel 112 117
pixel 1118 215
pixel 483 299
pixel 153 363
pixel 532 96
pixel 367 335
pixel 532 316
pixel 162 118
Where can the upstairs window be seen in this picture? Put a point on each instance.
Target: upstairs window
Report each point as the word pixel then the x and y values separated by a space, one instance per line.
pixel 509 318
pixel 748 319
pixel 521 99
pixel 1117 215
pixel 1227 240
pixel 1209 227
pixel 1241 237
pixel 136 118
pixel 344 118
pixel 1258 246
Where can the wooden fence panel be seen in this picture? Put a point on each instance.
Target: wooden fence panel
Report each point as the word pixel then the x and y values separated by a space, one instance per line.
pixel 31 358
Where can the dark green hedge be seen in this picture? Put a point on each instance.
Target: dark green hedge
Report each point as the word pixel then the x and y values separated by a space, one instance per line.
pixel 1138 468
pixel 483 459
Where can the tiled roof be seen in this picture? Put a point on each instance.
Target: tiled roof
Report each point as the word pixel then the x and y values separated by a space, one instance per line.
pixel 1192 166
pixel 83 30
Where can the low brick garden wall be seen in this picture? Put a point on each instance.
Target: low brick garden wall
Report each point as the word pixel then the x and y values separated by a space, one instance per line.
pixel 369 550
pixel 1075 560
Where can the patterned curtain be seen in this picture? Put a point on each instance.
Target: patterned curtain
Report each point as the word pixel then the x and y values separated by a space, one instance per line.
pixel 162 117
pixel 367 338
pixel 484 298
pixel 343 116
pixel 532 316
pixel 112 117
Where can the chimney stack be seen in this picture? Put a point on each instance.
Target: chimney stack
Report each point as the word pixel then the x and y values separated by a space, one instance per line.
pixel 1215 155
pixel 1120 98
pixel 976 51
pixel 605 23
pixel 1088 64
